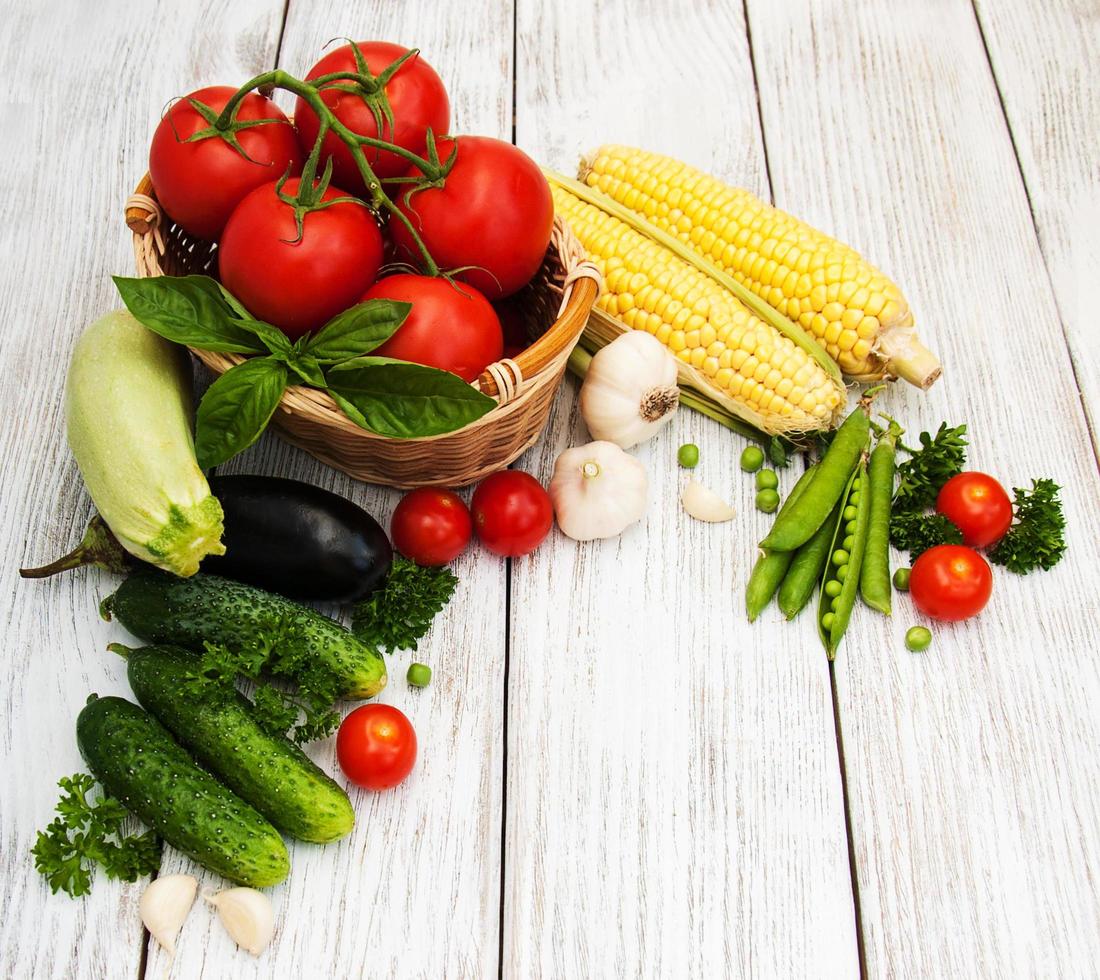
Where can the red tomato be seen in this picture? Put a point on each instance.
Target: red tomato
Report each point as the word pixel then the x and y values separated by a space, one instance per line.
pixel 451 326
pixel 950 582
pixel 417 99
pixel 199 184
pixel 512 513
pixel 376 746
pixel 432 527
pixel 978 506
pixel 298 285
pixel 494 211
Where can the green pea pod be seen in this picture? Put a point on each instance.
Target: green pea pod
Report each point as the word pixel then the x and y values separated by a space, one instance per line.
pixel 874 579
pixel 840 606
pixel 771 566
pixel 799 523
pixel 805 568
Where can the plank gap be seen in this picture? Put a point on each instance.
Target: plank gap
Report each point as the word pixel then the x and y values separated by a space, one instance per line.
pixel 504 763
pixel 1035 228
pixel 756 95
pixel 282 34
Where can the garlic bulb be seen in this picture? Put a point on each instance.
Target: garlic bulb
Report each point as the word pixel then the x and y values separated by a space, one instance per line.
pixel 164 905
pixel 704 504
pixel 598 491
pixel 630 390
pixel 247 916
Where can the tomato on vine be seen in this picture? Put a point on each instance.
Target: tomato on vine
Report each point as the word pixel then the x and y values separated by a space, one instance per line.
pixel 200 181
pixel 403 99
pixel 489 213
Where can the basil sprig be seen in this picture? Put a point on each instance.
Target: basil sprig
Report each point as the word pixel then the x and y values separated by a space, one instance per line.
pixel 391 398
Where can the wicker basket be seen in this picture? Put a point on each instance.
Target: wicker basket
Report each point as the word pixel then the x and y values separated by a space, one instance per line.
pixel 554 307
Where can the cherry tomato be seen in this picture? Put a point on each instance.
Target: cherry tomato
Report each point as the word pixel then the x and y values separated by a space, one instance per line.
pixel 950 582
pixel 430 526
pixel 298 285
pixel 417 100
pixel 493 212
pixel 451 326
pixel 512 513
pixel 978 505
pixel 376 746
pixel 199 184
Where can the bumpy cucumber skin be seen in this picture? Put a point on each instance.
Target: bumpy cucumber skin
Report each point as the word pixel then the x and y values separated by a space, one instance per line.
pixel 141 765
pixel 160 608
pixel 268 771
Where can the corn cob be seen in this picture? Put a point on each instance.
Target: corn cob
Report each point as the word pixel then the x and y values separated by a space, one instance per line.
pixel 856 312
pixel 725 350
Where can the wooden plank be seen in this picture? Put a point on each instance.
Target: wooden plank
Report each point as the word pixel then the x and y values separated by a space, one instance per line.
pixel 81 124
pixel 415 889
pixel 674 803
pixel 1044 61
pixel 974 810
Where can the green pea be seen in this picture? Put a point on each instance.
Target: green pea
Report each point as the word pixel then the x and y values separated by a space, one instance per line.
pixel 834 602
pixel 855 483
pixel 842 573
pixel 419 675
pixel 766 480
pixel 848 542
pixel 901 579
pixel 853 498
pixel 767 501
pixel 832 587
pixel 688 455
pixel 918 638
pixel 840 557
pixel 752 459
pixel 850 513
pixel 827 621
pixel 851 527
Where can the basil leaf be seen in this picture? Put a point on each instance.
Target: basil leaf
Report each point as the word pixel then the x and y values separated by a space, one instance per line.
pixel 358 330
pixel 188 310
pixel 307 369
pixel 275 340
pixel 235 304
pixel 236 409
pixel 405 401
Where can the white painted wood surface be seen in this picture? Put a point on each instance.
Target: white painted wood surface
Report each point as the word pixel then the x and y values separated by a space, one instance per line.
pixel 670 790
pixel 974 802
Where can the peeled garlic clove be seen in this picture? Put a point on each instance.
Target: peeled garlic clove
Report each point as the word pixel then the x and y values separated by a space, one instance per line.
pixel 704 504
pixel 247 916
pixel 164 905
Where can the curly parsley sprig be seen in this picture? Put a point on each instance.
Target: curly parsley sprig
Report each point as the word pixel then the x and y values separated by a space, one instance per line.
pixel 1037 538
pixel 920 479
pixel 85 834
pixel 400 613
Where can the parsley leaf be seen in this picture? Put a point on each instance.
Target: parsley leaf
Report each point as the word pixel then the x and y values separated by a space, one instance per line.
pixel 1037 538
pixel 916 532
pixel 921 476
pixel 399 614
pixel 80 837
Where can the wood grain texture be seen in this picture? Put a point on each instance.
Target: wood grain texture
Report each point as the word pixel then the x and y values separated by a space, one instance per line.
pixel 971 776
pixel 415 890
pixel 77 127
pixel 674 801
pixel 1044 60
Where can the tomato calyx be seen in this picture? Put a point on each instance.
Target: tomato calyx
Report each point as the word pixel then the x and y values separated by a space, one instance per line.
pixel 223 129
pixel 434 174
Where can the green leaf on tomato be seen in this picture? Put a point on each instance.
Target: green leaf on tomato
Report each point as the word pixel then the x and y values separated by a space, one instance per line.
pixel 236 409
pixel 357 330
pixel 403 400
pixel 189 310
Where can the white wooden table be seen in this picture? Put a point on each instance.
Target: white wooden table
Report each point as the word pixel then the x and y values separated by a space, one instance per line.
pixel 619 776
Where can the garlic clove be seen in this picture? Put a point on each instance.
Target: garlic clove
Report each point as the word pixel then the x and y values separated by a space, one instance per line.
pixel 704 504
pixel 247 916
pixel 164 906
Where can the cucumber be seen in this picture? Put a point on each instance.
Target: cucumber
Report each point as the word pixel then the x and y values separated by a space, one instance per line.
pixel 139 763
pixel 160 608
pixel 218 727
pixel 128 416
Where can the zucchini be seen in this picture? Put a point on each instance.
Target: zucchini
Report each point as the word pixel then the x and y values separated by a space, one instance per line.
pixel 159 608
pixel 139 763
pixel 217 726
pixel 128 416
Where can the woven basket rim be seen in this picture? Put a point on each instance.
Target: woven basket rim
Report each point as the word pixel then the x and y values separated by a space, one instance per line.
pixel 506 381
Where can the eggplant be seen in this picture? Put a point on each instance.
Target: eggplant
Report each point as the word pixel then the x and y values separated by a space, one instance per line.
pixel 298 540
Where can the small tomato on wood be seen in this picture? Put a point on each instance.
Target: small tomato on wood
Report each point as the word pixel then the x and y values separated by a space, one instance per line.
pixel 512 513
pixel 978 506
pixel 950 582
pixel 430 526
pixel 376 746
